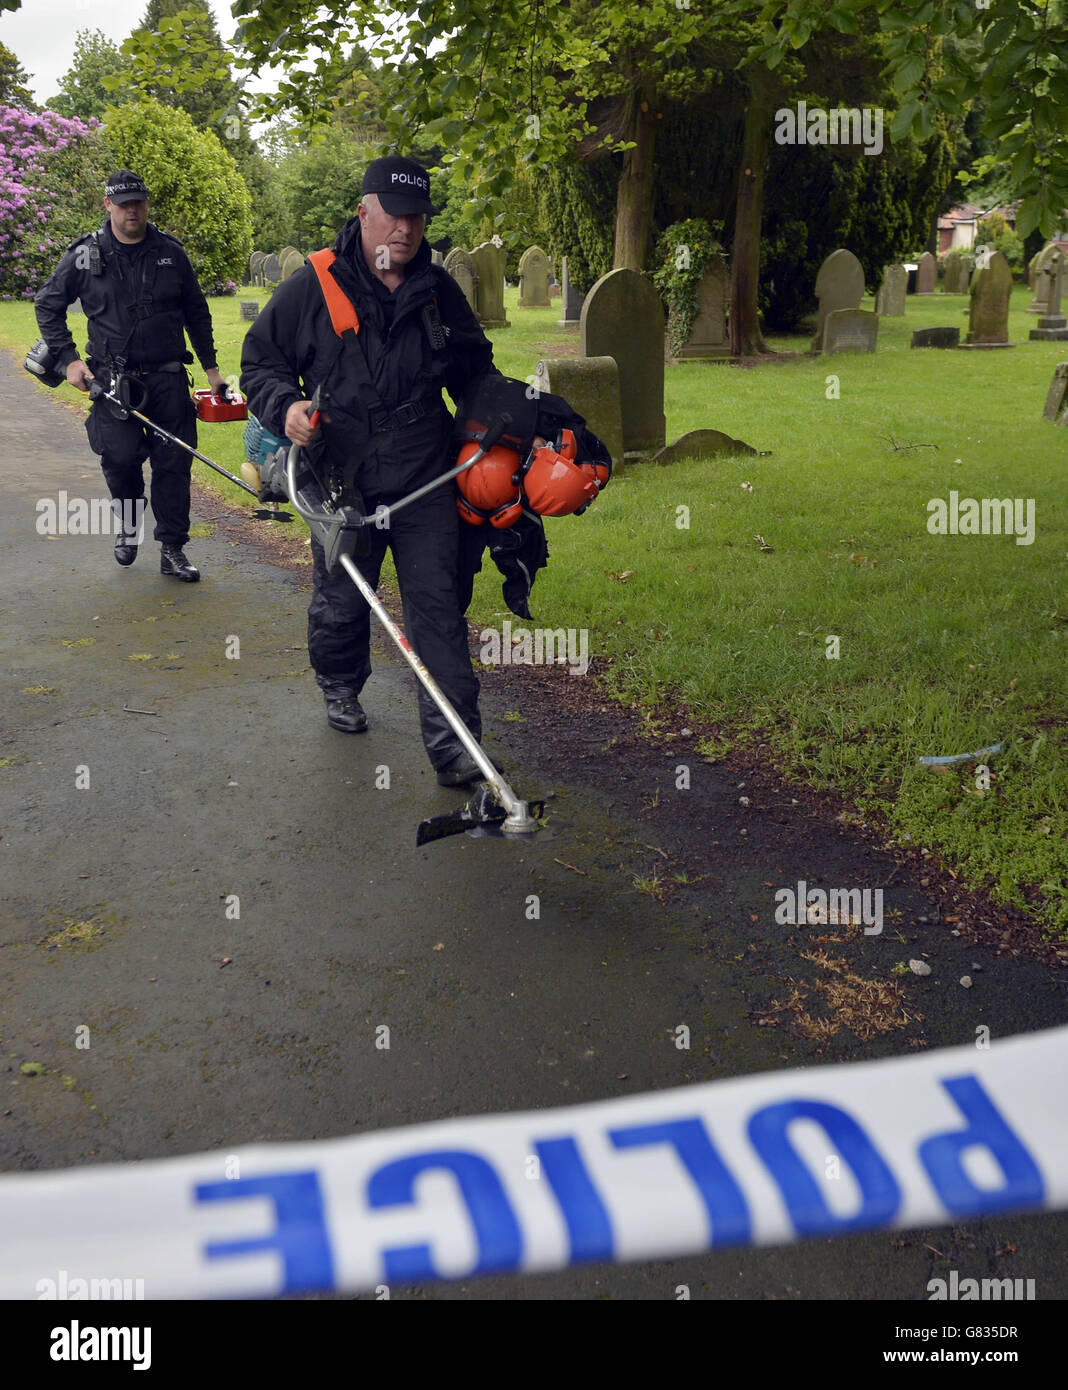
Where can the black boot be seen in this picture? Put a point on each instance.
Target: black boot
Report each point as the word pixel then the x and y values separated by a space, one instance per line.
pixel 125 547
pixel 462 771
pixel 344 713
pixel 172 561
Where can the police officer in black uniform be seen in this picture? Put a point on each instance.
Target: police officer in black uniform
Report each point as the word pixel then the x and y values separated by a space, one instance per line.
pixel 139 293
pixel 385 430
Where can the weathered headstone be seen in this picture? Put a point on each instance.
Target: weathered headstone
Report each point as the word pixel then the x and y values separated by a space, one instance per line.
pixel 701 444
pixel 925 274
pixel 271 270
pixel 988 319
pixel 572 300
pixel 708 338
pixel 534 279
pixel 249 310
pixel 1057 396
pixel 464 271
pixel 890 301
pixel 436 258
pixel 285 249
pixel 1043 272
pixel 255 267
pixel 955 274
pixel 288 262
pixel 936 338
pixel 850 330
pixel 590 385
pixel 1053 325
pixel 839 285
pixel 489 263
pixel 622 318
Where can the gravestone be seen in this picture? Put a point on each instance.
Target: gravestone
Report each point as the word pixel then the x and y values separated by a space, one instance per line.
pixel 249 310
pixel 1053 326
pixel 534 279
pixel 255 266
pixel 463 270
pixel 925 274
pixel 708 338
pixel 271 270
pixel 890 301
pixel 839 285
pixel 850 330
pixel 590 385
pixel 572 300
pixel 701 444
pixel 936 338
pixel 622 318
pixel 988 319
pixel 436 258
pixel 1042 279
pixel 489 264
pixel 288 262
pixel 285 251
pixel 1057 397
pixel 955 274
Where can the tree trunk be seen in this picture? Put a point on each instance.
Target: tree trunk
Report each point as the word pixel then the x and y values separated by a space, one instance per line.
pixel 745 333
pixel 634 196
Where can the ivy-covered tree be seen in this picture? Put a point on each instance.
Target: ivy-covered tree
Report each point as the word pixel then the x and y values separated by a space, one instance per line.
pixel 82 91
pixel 196 188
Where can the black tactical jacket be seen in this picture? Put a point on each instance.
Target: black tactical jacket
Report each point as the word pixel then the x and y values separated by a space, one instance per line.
pixel 292 348
pixel 143 321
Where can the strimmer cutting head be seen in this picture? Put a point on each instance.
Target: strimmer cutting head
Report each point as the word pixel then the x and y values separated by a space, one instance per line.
pixel 485 815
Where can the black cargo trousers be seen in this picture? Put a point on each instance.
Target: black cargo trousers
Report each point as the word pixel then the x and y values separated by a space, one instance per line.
pixel 424 540
pixel 124 445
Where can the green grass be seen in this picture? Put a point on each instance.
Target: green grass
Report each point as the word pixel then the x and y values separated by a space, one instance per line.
pixel 947 643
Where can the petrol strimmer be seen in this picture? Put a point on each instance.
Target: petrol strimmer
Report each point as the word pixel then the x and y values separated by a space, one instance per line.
pixel 39 363
pixel 495 807
pixel 205 411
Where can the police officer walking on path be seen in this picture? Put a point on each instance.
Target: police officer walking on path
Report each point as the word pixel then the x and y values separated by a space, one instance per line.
pixel 139 293
pixel 384 431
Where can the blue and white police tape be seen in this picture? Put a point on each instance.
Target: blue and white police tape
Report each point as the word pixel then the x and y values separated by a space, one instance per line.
pixel 760 1160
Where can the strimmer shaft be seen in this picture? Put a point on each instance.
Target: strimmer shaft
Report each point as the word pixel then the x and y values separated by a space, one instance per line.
pixel 519 818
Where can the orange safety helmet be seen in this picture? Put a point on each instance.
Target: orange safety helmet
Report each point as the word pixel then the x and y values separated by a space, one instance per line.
pixel 554 484
pixel 489 490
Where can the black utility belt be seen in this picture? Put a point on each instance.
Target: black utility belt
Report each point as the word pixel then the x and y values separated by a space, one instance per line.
pixel 406 414
pixel 151 371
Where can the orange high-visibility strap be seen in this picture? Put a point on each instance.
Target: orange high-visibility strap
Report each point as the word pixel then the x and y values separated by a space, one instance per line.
pixel 342 310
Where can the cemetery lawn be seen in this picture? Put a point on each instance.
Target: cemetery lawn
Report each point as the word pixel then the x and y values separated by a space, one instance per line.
pixel 947 643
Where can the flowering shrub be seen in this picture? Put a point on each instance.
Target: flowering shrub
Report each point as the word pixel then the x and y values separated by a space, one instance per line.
pixel 222 287
pixel 52 173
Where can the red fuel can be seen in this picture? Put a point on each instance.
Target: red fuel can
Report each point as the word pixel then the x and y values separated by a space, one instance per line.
pixel 210 408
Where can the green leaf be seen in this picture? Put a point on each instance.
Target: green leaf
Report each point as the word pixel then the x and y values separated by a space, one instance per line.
pixel 1027 216
pixel 909 74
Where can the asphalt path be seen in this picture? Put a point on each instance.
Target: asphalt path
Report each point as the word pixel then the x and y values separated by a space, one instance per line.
pixel 208 1030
